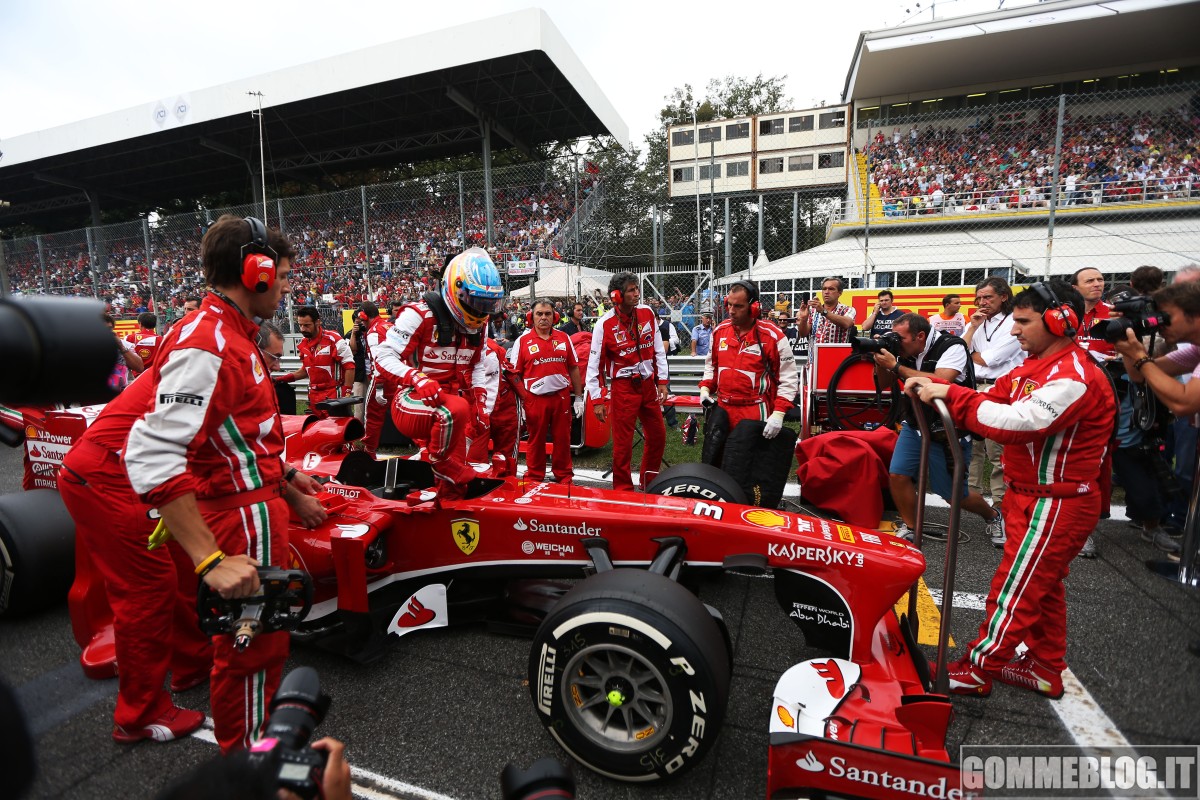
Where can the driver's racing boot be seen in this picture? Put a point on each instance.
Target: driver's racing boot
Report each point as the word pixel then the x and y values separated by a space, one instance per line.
pixel 966 678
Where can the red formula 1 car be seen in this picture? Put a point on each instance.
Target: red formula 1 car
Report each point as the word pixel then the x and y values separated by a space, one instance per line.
pixel 629 670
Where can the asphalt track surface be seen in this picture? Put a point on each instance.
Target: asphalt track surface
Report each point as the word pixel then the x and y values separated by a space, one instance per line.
pixel 443 711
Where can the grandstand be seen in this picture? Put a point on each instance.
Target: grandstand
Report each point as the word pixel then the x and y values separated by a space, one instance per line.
pixel 1025 143
pixel 511 81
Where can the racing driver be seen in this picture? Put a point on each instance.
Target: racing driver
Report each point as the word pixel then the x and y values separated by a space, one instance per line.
pixel 207 453
pixel 1054 415
pixel 449 389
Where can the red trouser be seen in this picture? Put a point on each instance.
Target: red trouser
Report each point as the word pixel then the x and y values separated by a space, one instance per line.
pixel 152 592
pixel 626 406
pixel 504 427
pixel 315 396
pixel 243 683
pixel 756 411
pixel 1027 599
pixel 379 400
pixel 441 429
pixel 549 413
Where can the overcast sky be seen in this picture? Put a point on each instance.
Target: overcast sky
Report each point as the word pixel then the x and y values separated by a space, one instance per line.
pixel 67 60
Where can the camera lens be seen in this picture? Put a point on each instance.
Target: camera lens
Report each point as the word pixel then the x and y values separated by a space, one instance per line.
pixel 297 709
pixel 545 778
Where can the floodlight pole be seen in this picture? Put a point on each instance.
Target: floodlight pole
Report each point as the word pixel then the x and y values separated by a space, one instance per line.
pixel 1062 108
pixel 262 161
pixel 696 168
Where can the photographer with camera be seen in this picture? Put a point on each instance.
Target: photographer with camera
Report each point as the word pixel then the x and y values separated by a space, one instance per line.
pixel 1054 415
pixel 913 349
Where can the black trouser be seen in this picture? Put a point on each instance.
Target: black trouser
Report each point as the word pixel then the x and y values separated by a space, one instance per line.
pixel 1136 471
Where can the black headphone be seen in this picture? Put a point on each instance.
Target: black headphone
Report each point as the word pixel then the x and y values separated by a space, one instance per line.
pixel 751 294
pixel 258 258
pixel 1059 317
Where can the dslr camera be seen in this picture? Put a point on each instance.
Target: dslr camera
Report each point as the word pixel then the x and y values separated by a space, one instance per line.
pixel 1138 314
pixel 298 707
pixel 889 341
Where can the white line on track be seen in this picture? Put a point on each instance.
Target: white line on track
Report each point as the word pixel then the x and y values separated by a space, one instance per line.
pixel 378 787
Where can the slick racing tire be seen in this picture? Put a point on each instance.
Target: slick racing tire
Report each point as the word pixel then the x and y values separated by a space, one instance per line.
pixel 37 551
pixel 630 674
pixel 699 482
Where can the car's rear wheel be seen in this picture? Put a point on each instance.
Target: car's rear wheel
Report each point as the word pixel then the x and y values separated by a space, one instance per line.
pixel 37 551
pixel 699 482
pixel 630 674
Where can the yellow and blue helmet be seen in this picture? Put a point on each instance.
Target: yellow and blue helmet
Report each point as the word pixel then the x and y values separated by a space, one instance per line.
pixel 471 288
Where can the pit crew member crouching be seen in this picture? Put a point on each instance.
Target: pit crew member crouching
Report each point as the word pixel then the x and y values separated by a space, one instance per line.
pixel 628 351
pixel 1054 415
pixel 207 453
pixel 448 395
pixel 750 368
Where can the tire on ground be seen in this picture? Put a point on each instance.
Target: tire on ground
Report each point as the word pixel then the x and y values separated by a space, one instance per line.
pixel 699 482
pixel 37 551
pixel 630 674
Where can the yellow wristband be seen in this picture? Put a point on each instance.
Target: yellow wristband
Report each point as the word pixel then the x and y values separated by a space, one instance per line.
pixel 210 562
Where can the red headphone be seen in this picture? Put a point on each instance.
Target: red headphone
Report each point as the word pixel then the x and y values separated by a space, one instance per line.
pixel 751 294
pixel 258 259
pixel 529 319
pixel 616 296
pixel 1059 317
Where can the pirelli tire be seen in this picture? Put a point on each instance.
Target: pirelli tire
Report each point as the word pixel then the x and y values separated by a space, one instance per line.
pixel 699 482
pixel 37 551
pixel 630 675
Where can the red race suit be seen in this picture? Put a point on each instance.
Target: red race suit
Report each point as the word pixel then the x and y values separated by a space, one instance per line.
pixel 629 353
pixel 443 428
pixel 543 366
pixel 753 374
pixel 326 359
pixel 1054 417
pixel 1102 311
pixel 145 344
pixel 213 430
pixel 380 393
pixel 152 593
pixel 504 423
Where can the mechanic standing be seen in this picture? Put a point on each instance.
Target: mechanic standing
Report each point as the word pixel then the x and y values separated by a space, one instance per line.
pixel 448 396
pixel 551 390
pixel 380 393
pixel 1054 415
pixel 628 350
pixel 750 371
pixel 505 422
pixel 145 340
pixel 207 453
pixel 325 359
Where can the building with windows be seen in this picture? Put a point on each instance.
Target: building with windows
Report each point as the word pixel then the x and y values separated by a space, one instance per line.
pixel 790 150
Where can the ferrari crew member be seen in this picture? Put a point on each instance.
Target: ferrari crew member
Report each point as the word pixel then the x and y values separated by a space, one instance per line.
pixel 750 370
pixel 152 593
pixel 628 351
pixel 926 352
pixel 128 363
pixel 505 422
pixel 325 359
pixel 380 392
pixel 207 453
pixel 1089 282
pixel 145 339
pixel 1054 415
pixel 448 395
pixel 827 320
pixel 551 390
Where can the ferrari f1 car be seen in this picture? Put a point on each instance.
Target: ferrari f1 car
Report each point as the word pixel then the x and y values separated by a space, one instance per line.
pixel 628 670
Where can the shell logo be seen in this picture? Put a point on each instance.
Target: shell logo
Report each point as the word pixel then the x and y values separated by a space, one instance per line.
pixel 764 518
pixel 785 716
pixel 31 432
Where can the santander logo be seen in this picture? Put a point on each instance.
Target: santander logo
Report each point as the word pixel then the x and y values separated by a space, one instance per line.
pixel 414 615
pixel 832 673
pixel 810 763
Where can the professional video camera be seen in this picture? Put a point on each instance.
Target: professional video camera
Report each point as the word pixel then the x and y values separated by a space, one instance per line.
pixel 889 341
pixel 298 708
pixel 545 778
pixel 1138 314
pixel 58 351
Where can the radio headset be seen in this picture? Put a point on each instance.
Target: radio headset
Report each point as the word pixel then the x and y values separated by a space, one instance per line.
pixel 258 259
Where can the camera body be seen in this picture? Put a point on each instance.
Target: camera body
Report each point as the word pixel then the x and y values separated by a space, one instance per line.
pixel 298 707
pixel 889 341
pixel 1138 314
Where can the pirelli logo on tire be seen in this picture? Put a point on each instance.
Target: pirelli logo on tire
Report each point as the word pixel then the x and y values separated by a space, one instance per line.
pixel 545 692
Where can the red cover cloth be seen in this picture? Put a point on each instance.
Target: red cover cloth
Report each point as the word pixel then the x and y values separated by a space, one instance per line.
pixel 845 473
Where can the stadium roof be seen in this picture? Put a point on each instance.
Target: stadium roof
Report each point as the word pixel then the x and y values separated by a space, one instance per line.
pixel 413 99
pixel 1026 44
pixel 1111 245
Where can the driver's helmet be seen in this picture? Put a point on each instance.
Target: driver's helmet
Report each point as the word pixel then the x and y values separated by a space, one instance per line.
pixel 471 289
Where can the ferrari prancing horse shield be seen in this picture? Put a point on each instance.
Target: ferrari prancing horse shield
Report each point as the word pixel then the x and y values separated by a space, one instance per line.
pixel 466 534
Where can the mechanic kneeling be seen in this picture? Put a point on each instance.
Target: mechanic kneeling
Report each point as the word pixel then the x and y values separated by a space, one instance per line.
pixel 924 352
